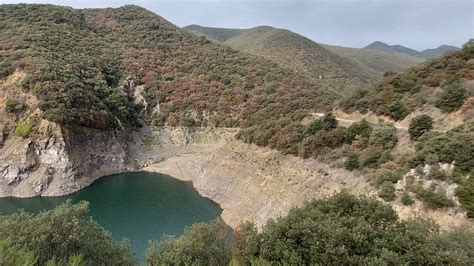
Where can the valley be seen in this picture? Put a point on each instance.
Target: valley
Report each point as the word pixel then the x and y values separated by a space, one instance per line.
pixel 267 125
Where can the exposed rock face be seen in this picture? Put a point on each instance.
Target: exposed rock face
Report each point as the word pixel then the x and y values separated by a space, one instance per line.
pixel 59 161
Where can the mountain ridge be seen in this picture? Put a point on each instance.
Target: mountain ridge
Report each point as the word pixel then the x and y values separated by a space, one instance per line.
pixel 427 53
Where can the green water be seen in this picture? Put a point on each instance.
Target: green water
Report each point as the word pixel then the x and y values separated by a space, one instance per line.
pixel 139 206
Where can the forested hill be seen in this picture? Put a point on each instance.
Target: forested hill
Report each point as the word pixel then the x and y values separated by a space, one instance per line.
pixel 84 66
pixel 293 50
pixel 445 83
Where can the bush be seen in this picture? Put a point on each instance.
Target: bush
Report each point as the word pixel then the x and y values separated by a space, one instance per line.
pixel 420 125
pixel 201 244
pixel 64 232
pixel 11 255
pixel 407 200
pixel 352 162
pixel 465 193
pixel 453 146
pixel 247 243
pixel 437 174
pixel 452 99
pixel 387 176
pixel 433 199
pixel 23 128
pixel 387 191
pixel 361 129
pixel 12 106
pixel 384 136
pixel 347 230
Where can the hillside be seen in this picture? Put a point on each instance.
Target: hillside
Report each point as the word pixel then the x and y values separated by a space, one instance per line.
pixel 377 60
pixel 215 34
pixel 104 68
pixel 399 49
pixel 444 83
pixel 296 51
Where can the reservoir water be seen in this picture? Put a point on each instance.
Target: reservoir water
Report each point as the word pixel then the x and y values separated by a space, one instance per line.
pixel 140 206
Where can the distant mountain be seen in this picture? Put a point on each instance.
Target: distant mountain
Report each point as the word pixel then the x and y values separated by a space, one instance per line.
pixel 428 53
pixel 377 60
pixel 392 48
pixel 215 34
pixel 293 50
pixel 431 53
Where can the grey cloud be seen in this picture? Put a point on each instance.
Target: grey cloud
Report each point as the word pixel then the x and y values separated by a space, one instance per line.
pixel 414 23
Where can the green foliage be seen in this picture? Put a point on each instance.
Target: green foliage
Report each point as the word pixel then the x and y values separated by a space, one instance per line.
pixel 86 65
pixel 452 99
pixel 11 255
pixel 456 146
pixel 387 191
pixel 246 243
pixel 62 233
pixel 432 198
pixel 387 176
pixel 362 129
pixel 352 162
pixel 344 229
pixel 24 128
pixel 407 200
pixel 201 244
pixel 396 95
pixel 420 125
pixel 465 193
pixel 74 260
pixel 436 173
pixel 384 136
pixel 12 106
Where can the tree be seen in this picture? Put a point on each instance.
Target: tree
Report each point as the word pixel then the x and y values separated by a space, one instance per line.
pixel 384 136
pixel 361 128
pixel 352 162
pixel 11 255
pixel 201 244
pixel 247 242
pixel 66 231
pixel 348 230
pixel 419 125
pixel 452 97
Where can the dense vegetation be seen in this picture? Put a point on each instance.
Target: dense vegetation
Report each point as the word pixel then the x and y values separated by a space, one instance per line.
pixel 296 51
pixel 397 95
pixel 342 229
pixel 377 60
pixel 58 236
pixel 81 63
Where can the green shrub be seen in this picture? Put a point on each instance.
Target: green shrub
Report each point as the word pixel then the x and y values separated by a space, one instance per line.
pixel 433 199
pixel 420 125
pixel 452 99
pixel 361 129
pixel 346 230
pixel 465 193
pixel 11 255
pixel 437 174
pixel 384 136
pixel 407 200
pixel 453 146
pixel 352 162
pixel 387 191
pixel 247 242
pixel 11 106
pixel 387 176
pixel 24 128
pixel 61 233
pixel 201 244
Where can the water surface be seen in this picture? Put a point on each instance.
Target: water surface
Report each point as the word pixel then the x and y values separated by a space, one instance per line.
pixel 139 206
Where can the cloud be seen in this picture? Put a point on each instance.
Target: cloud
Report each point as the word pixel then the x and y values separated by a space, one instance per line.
pixel 418 24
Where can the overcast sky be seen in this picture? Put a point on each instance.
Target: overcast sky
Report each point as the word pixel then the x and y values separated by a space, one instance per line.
pixel 417 24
